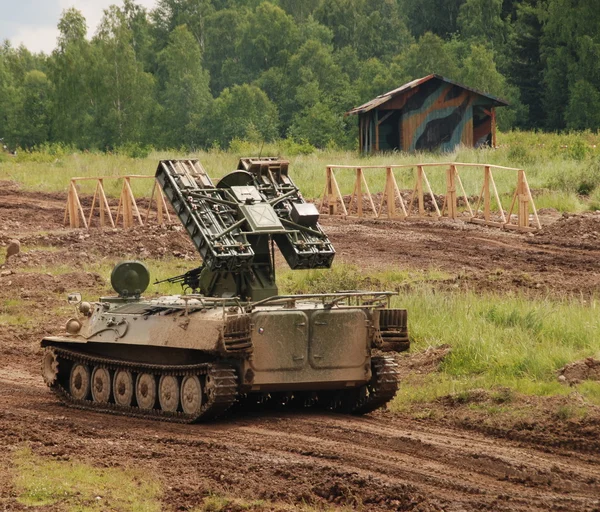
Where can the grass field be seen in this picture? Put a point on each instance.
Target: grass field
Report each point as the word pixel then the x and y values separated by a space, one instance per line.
pixel 563 170
pixel 507 344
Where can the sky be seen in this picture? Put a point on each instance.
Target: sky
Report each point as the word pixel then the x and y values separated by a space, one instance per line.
pixel 33 22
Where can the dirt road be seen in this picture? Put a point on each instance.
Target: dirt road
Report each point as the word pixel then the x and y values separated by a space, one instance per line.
pixel 377 462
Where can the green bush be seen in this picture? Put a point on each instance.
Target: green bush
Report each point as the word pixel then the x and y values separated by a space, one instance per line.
pixel 134 150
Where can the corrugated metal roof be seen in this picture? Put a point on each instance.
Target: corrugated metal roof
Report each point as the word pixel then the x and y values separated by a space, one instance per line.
pixel 382 98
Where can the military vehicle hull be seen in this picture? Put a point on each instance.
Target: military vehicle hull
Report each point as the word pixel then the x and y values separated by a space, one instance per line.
pixel 189 358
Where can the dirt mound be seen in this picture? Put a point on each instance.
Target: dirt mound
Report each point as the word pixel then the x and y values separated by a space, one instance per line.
pixel 33 285
pixel 581 231
pixel 141 242
pixel 574 373
pixel 424 362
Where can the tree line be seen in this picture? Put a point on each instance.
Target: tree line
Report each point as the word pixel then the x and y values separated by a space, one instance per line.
pixel 200 73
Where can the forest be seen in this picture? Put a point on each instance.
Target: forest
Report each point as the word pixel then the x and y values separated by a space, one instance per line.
pixel 201 73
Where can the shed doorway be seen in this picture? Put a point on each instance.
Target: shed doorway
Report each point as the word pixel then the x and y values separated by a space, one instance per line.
pixel 390 130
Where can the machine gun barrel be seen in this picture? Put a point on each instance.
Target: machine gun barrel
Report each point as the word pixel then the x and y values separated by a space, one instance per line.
pixel 190 279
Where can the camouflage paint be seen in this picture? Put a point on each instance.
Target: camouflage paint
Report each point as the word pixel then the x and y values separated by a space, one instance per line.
pixel 427 114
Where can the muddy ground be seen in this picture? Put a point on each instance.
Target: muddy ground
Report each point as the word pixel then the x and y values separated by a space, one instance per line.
pixel 449 461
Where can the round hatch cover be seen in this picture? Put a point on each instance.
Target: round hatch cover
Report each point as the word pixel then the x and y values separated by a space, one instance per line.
pixel 130 278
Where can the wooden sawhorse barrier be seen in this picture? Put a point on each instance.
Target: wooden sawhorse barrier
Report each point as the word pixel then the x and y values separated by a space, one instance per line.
pixel 126 209
pixel 333 199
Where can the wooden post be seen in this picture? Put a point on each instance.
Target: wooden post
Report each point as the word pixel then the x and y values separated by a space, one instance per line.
pixel 125 205
pixel 72 206
pixel 133 201
pixel 420 190
pixel 333 193
pixel 331 204
pixel 523 200
pixel 101 204
pixel 389 192
pixel 486 193
pixel 451 192
pixel 359 195
pixel 535 214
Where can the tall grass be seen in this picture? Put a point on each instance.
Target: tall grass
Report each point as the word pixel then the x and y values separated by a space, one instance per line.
pixel 563 168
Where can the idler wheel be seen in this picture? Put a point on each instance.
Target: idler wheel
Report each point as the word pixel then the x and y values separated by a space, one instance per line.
pixel 101 384
pixel 191 394
pixel 49 367
pixel 168 393
pixel 123 387
pixel 79 381
pixel 145 391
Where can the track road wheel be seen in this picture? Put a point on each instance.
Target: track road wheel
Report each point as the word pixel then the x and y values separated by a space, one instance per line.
pixel 168 393
pixel 101 385
pixel 145 391
pixel 50 366
pixel 123 388
pixel 191 395
pixel 79 381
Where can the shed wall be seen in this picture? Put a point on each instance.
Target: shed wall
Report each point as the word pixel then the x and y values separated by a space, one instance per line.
pixel 436 115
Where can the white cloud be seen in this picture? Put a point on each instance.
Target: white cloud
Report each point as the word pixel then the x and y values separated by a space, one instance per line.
pixel 36 39
pixel 93 10
pixel 42 37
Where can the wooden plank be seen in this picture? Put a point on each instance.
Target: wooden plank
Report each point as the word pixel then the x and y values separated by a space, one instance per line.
pixel 93 204
pixel 126 206
pixel 451 192
pixel 523 201
pixel 357 192
pixel 72 207
pixel 437 210
pixel 535 213
pixel 105 208
pixel 339 194
pixel 497 197
pixel 332 205
pixel 80 209
pixel 512 205
pixel 150 202
pixel 391 199
pixel 164 203
pixel 464 193
pixel 490 223
pixel 368 193
pixel 133 202
pixel 385 117
pixel 486 193
pixel 420 190
pixel 397 190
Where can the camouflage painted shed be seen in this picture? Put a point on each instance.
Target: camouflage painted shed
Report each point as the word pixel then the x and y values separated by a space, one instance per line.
pixel 428 113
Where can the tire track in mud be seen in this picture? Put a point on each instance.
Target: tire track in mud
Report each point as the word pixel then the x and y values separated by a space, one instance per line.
pixel 379 462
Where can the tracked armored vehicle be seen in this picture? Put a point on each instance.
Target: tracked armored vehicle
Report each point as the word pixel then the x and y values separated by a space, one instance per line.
pixel 230 338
